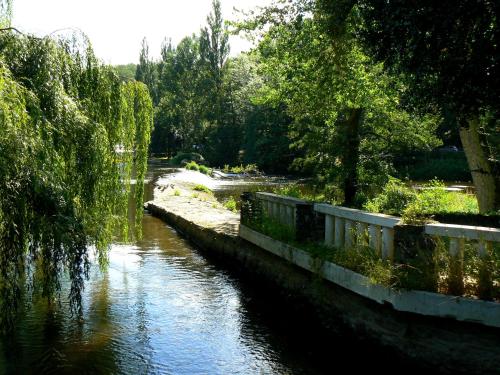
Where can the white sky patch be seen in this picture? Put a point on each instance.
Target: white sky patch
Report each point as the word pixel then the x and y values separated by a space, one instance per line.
pixel 116 27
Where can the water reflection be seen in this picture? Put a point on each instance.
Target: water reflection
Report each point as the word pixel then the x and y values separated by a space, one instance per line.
pixel 162 308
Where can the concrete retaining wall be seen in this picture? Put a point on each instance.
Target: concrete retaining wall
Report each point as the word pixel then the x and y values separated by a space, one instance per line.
pixel 443 344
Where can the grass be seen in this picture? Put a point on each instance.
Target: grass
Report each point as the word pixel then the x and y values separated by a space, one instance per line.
pixel 203 189
pixel 192 166
pixel 204 169
pixel 307 192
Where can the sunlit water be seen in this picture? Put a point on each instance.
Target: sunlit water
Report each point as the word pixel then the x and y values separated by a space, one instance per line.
pixel 161 307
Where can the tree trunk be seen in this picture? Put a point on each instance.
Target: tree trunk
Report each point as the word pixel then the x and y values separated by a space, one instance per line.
pixel 486 183
pixel 351 156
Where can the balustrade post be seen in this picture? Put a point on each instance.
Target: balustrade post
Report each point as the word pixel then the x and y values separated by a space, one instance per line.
pixel 375 232
pixel 329 230
pixel 485 282
pixel 339 232
pixel 456 277
pixel 388 243
pixel 349 225
pixel 361 230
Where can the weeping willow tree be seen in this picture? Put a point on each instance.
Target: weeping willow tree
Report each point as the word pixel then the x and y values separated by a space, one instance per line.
pixel 70 136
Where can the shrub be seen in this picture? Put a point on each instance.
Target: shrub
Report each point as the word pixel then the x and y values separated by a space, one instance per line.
pixel 202 188
pixel 433 199
pixel 238 169
pixel 189 156
pixel 205 170
pixel 177 193
pixel 230 204
pixel 192 166
pixel 418 207
pixel 393 200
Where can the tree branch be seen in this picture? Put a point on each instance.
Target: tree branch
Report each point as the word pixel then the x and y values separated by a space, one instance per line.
pixel 11 28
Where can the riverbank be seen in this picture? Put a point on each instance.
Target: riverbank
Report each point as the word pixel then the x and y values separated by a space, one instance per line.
pixel 441 344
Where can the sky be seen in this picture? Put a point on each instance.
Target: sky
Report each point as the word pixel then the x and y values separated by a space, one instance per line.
pixel 116 27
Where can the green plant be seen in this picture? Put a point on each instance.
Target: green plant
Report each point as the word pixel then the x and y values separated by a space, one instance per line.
pixel 393 199
pixel 188 156
pixel 433 199
pixel 195 195
pixel 202 188
pixel 204 169
pixel 192 166
pixel 177 192
pixel 230 204
pixel 238 169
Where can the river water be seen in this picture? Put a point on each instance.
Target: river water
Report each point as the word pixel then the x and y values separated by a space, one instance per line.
pixel 161 307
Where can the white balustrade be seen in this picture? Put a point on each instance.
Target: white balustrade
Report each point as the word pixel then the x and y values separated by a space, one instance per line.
pixel 482 237
pixel 351 224
pixel 280 208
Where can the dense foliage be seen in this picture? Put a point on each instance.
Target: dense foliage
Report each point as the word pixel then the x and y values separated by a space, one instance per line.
pixel 70 135
pixel 209 103
pixel 450 54
pixel 347 112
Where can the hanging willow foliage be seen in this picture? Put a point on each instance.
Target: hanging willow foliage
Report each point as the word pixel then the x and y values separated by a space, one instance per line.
pixel 70 136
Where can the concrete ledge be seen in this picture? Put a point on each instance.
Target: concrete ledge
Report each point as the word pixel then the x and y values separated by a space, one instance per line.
pixel 419 302
pixel 282 199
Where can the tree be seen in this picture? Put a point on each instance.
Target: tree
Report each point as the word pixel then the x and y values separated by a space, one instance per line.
pixel 64 181
pixel 450 53
pixel 5 13
pixel 347 114
pixel 214 50
pixel 146 72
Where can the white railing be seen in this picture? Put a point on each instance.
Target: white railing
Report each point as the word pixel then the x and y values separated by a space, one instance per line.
pixel 482 238
pixel 344 226
pixel 280 208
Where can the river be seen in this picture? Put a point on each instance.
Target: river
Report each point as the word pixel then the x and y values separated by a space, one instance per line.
pixel 161 307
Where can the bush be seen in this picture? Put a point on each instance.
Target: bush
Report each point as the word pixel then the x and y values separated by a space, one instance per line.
pixel 231 204
pixel 250 169
pixel 205 170
pixel 393 200
pixel 434 199
pixel 202 188
pixel 192 166
pixel 418 207
pixel 189 156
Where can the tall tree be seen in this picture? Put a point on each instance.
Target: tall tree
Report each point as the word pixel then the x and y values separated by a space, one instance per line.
pixel 146 71
pixel 214 51
pixel 346 110
pixel 450 51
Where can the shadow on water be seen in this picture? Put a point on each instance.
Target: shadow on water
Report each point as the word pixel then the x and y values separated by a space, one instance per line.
pixel 162 307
